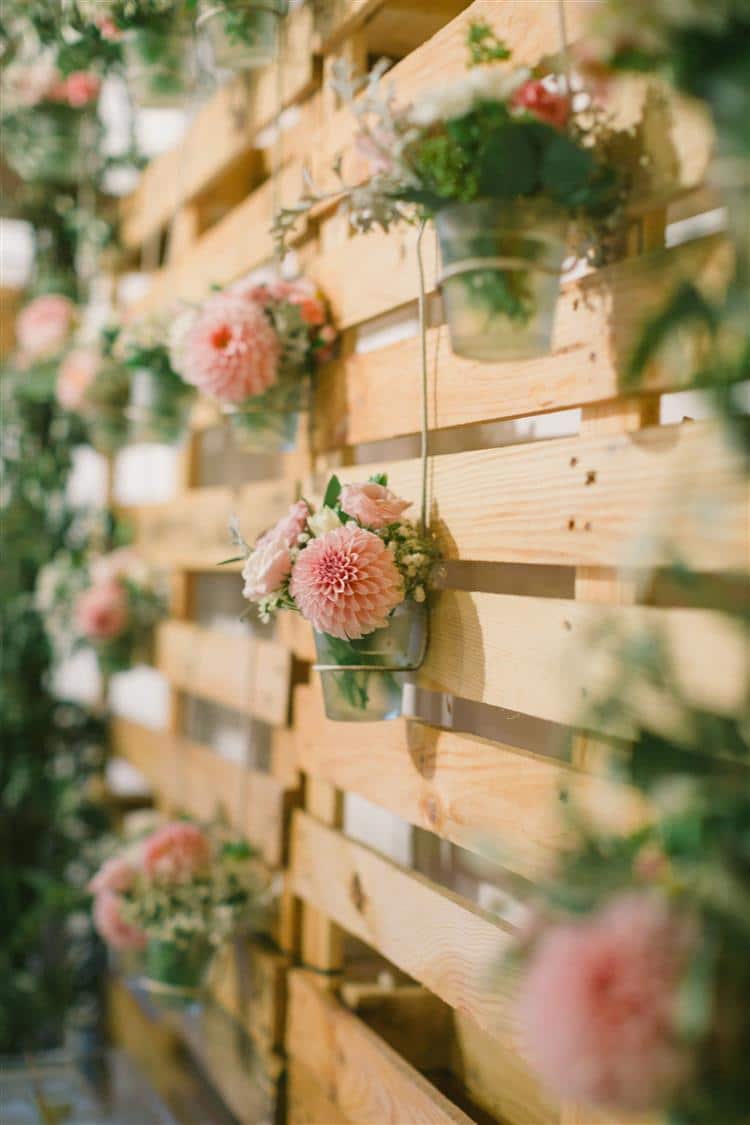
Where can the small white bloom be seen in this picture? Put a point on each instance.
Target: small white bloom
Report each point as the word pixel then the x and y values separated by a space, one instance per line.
pixel 419 594
pixel 323 521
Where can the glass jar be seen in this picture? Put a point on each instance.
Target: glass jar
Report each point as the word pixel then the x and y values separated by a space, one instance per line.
pixel 51 143
pixel 159 407
pixel 505 309
pixel 105 408
pixel 269 423
pixel 243 34
pixel 370 694
pixel 175 973
pixel 160 66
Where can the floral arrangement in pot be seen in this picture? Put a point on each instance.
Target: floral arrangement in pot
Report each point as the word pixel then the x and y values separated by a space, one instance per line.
pixel 252 348
pixel 49 123
pixel 110 603
pixel 503 163
pixel 244 34
pixel 157 45
pixel 173 898
pixel 160 400
pixel 44 327
pixel 359 572
pixel 92 384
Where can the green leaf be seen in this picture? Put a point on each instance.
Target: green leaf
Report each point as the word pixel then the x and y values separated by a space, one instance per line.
pixel 332 492
pixel 226 562
pixel 565 167
pixel 379 478
pixel 508 165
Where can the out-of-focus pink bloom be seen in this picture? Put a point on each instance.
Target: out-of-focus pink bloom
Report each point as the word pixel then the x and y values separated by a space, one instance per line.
pixel 231 351
pixel 270 562
pixel 346 583
pixel 108 29
pixel 597 1005
pixel 43 326
pixel 78 89
pixel 101 612
pixel 176 853
pixel 651 863
pixel 372 504
pixel 77 372
pixel 117 875
pixel 544 104
pixel 110 926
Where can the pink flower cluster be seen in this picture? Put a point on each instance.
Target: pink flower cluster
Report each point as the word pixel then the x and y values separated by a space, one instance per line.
pixel 233 347
pixel 44 325
pixel 77 90
pixel 176 853
pixel 112 880
pixel 597 1005
pixel 271 560
pixel 544 104
pixel 101 611
pixel 76 374
pixel 372 504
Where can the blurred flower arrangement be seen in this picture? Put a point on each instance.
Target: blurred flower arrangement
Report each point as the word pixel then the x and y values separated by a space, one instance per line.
pixel 244 33
pixel 93 384
pixel 633 965
pixel 502 160
pixel 160 400
pixel 358 570
pixel 44 327
pixel 177 895
pixel 109 602
pixel 252 348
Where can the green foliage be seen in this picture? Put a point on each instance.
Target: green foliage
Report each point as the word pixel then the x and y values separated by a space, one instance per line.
pixel 484 45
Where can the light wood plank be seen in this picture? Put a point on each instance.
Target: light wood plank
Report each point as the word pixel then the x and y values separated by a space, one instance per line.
pixel 307 1102
pixel 479 794
pixel 249 981
pixel 431 934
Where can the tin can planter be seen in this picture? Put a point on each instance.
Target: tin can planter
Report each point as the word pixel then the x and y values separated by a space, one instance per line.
pixel 159 408
pixel 159 66
pixel 500 278
pixel 269 423
pixel 371 693
pixel 175 974
pixel 243 35
pixel 51 143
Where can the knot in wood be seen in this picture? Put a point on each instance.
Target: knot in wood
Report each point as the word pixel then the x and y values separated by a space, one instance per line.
pixel 357 894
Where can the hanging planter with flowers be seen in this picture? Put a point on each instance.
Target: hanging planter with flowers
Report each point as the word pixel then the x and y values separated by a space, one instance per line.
pixel 253 349
pixel 159 405
pixel 244 34
pixel 92 384
pixel 503 163
pixel 173 898
pixel 359 572
pixel 49 123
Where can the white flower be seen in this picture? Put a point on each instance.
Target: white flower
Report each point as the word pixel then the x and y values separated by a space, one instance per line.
pixel 456 99
pixel 419 594
pixel 496 83
pixel 323 521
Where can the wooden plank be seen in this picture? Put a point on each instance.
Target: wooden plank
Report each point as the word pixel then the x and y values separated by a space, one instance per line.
pixel 192 531
pixel 476 793
pixel 432 934
pixel 598 320
pixel 249 981
pixel 197 780
pixel 371 1083
pixel 322 945
pixel 530 654
pixel 236 670
pixel 337 20
pixel 589 500
pixel 307 1101
pixel 221 134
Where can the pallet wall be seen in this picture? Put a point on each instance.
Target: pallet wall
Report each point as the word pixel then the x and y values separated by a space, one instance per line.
pixel 376 996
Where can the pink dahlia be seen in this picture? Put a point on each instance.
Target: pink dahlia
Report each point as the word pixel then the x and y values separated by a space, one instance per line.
pixel 597 1005
pixel 346 583
pixel 101 612
pixel 270 562
pixel 372 504
pixel 43 326
pixel 115 875
pixel 176 852
pixel 77 372
pixel 111 926
pixel 231 351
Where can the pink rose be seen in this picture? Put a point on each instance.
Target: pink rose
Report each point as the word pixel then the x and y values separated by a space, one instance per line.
pixel 101 612
pixel 544 104
pixel 176 853
pixel 77 372
pixel 110 925
pixel 43 326
pixel 108 29
pixel 597 1005
pixel 372 504
pixel 231 351
pixel 270 561
pixel 115 875
pixel 78 89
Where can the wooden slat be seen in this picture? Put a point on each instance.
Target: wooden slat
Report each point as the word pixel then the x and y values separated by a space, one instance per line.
pixel 222 133
pixel 249 981
pixel 365 1078
pixel 589 500
pixel 530 654
pixel 239 671
pixel 476 793
pixel 433 935
pixel 307 1101
pixel 197 780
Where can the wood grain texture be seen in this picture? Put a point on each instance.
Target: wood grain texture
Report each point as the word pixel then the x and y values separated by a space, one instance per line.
pixel 366 1079
pixel 430 933
pixel 479 794
pixel 532 654
pixel 249 981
